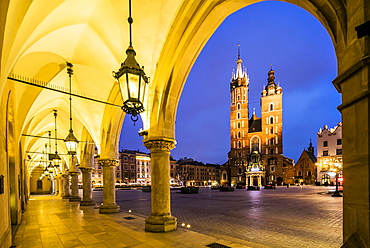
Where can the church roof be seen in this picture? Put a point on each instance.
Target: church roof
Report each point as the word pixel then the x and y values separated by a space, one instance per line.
pixel 255 124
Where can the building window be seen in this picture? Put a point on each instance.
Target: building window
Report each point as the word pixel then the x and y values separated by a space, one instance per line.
pixel 339 151
pixel 238 106
pixel 255 144
pixel 238 134
pixel 132 167
pixel 325 153
pixel 339 142
pixel 271 106
pixel 272 168
pixel 299 173
pixel 238 115
pixel 325 144
pixel 271 151
pixel 125 158
pixel 132 159
pixel 238 124
pixel 309 173
pixel 271 130
pixel 271 120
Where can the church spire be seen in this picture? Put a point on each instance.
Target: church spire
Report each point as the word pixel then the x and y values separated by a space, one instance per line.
pixel 239 69
pixel 271 76
pixel 311 149
pixel 239 76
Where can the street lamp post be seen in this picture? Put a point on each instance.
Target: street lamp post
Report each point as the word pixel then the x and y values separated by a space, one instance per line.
pixel 336 193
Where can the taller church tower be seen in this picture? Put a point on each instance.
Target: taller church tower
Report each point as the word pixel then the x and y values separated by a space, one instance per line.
pixel 255 157
pixel 239 116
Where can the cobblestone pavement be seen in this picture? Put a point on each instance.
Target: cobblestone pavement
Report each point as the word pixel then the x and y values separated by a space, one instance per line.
pixel 283 217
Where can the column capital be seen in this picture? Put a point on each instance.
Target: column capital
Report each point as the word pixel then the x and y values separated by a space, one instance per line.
pixel 108 162
pixel 73 173
pixel 159 145
pixel 86 169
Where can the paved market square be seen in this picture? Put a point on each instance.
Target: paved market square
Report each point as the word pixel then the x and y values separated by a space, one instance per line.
pixel 298 216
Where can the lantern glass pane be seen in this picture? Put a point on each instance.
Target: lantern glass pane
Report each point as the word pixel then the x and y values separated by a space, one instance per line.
pixel 123 87
pixel 133 84
pixel 142 91
pixel 71 146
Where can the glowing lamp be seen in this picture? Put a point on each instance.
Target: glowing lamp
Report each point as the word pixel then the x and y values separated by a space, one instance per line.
pixel 71 143
pixel 132 80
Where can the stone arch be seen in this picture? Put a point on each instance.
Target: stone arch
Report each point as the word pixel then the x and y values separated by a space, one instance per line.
pixel 191 34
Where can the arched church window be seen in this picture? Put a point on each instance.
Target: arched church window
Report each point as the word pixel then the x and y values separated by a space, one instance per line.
pixel 255 144
pixel 238 115
pixel 271 120
pixel 238 106
pixel 271 106
pixel 271 130
pixel 238 124
pixel 238 134
pixel 239 144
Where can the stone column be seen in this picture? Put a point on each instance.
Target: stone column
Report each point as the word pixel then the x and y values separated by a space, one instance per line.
pixel 259 181
pixel 86 187
pixel 109 192
pixel 66 185
pixel 56 185
pixel 74 187
pixel 161 219
pixel 61 185
pixel 354 84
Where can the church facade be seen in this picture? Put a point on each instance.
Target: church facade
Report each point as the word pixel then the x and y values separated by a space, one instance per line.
pixel 256 154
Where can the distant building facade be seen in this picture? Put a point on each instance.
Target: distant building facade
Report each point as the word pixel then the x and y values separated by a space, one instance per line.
pixel 188 172
pixel 329 154
pixel 134 168
pixel 305 170
pixel 254 138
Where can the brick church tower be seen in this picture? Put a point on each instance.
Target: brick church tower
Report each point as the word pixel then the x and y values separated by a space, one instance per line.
pixel 255 157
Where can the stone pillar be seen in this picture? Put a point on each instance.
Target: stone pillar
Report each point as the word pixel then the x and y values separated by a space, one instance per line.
pixel 66 186
pixel 56 185
pixel 161 219
pixel 86 186
pixel 61 184
pixel 109 192
pixel 354 84
pixel 259 181
pixel 74 186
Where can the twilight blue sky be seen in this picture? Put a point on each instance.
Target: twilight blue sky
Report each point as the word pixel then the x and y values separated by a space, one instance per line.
pixel 277 33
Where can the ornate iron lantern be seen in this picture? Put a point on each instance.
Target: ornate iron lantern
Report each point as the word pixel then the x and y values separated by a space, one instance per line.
pixel 71 141
pixel 132 80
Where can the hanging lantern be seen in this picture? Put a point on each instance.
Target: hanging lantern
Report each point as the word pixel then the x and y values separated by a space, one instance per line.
pixel 132 80
pixel 70 141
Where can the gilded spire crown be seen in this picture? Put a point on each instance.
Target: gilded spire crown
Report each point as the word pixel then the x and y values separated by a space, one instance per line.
pixel 240 76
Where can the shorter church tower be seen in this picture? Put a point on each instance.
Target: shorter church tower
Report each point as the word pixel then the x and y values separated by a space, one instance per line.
pixel 272 128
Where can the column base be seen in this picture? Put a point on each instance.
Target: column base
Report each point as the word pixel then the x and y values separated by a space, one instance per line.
pixel 66 196
pixel 87 203
pixel 161 223
pixel 74 199
pixel 109 209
